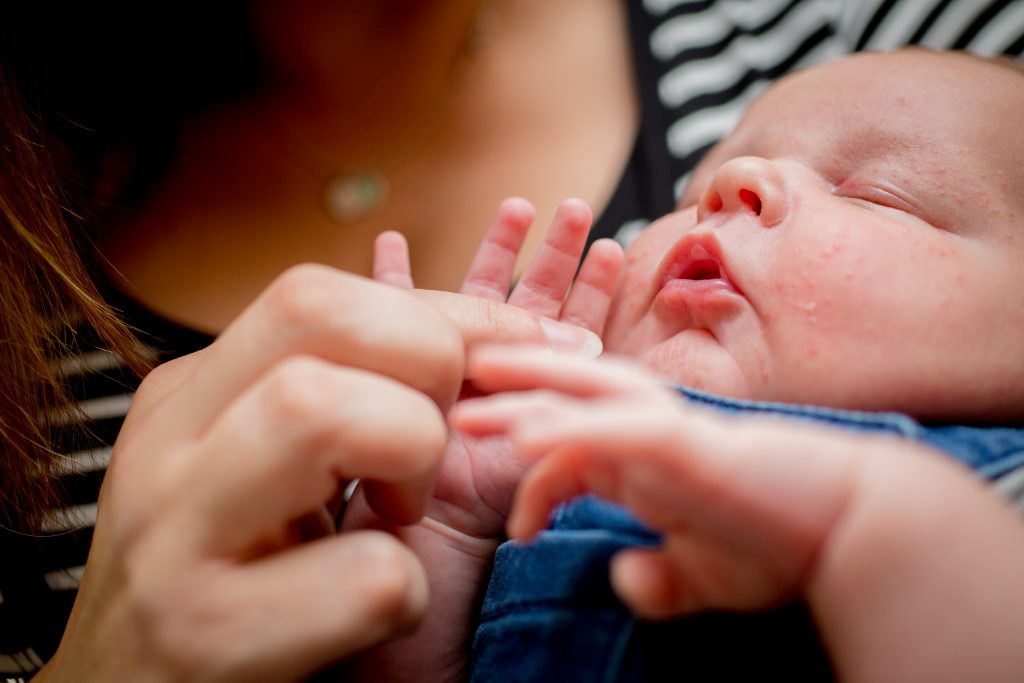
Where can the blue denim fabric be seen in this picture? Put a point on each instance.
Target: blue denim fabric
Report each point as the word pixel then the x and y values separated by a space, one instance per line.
pixel 549 613
pixel 991 451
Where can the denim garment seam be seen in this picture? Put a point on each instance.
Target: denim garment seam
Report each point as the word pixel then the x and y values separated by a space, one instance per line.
pixel 892 421
pixel 546 605
pixel 492 610
pixel 1005 465
pixel 990 451
pixel 617 654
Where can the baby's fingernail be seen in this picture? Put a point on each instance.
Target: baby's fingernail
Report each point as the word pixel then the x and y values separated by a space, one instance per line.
pixel 571 339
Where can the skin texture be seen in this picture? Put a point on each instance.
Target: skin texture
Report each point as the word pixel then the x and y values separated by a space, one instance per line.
pixel 179 584
pixel 465 519
pixel 859 277
pixel 544 107
pixel 899 553
pixel 212 558
pixel 857 232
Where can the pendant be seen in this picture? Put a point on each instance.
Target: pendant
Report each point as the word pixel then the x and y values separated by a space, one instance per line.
pixel 352 195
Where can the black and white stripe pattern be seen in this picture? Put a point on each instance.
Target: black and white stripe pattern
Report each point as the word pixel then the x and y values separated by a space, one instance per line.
pixel 706 60
pixel 699 63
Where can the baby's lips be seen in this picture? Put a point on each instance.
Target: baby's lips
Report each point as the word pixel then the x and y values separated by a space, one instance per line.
pixel 571 339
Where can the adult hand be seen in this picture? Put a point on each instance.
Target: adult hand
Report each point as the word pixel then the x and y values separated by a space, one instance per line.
pixel 201 566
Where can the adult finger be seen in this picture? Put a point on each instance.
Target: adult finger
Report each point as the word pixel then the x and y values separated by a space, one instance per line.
pixel 284 447
pixel 591 295
pixel 299 610
pixel 338 317
pixel 490 274
pixel 544 283
pixel 481 320
pixel 391 260
pixel 511 368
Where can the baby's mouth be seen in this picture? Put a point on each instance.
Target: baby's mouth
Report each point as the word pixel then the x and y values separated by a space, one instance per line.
pixel 695 269
pixel 702 269
pixel 696 263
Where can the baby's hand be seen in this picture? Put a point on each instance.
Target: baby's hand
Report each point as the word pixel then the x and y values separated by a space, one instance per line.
pixel 549 286
pixel 893 547
pixel 465 518
pixel 479 476
pixel 745 506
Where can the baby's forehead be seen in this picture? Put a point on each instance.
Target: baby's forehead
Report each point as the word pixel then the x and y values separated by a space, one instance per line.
pixel 944 123
pixel 914 102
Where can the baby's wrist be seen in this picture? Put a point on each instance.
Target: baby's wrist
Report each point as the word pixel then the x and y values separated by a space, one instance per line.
pixel 478 549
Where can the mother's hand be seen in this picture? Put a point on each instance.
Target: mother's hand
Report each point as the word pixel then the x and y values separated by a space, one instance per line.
pixel 198 568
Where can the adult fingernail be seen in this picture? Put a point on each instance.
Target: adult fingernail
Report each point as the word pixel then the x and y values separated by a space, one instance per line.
pixel 571 339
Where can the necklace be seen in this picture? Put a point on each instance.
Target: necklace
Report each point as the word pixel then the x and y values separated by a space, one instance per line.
pixel 351 194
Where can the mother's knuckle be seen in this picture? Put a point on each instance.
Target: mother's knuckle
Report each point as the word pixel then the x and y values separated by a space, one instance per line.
pixel 161 375
pixel 302 295
pixel 294 389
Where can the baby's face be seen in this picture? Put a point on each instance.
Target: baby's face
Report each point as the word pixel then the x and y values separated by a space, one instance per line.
pixel 857 242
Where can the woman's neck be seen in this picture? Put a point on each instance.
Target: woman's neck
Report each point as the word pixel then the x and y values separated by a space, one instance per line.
pixel 244 199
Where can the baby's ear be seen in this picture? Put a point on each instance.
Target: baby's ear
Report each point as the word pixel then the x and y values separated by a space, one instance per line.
pixel 391 260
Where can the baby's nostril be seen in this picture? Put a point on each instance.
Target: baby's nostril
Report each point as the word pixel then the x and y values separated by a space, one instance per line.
pixel 751 200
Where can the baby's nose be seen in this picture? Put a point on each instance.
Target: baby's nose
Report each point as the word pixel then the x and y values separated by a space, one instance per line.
pixel 750 185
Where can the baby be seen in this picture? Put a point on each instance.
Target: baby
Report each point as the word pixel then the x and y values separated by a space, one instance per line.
pixel 856 244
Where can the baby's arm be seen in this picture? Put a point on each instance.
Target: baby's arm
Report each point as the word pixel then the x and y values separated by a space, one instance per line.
pixel 465 520
pixel 910 566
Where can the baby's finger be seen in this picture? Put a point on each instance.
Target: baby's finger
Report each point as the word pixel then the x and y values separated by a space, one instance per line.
pixel 649 582
pixel 591 296
pixel 391 260
pixel 544 283
pixel 482 320
pixel 490 274
pixel 504 413
pixel 287 444
pixel 761 496
pixel 559 477
pixel 701 571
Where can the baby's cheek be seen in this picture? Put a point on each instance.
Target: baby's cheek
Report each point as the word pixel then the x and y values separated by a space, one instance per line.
pixel 627 304
pixel 798 316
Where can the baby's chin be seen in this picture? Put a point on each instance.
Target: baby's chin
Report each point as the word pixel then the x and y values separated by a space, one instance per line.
pixel 712 373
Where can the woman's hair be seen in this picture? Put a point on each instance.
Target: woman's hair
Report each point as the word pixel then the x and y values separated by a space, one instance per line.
pixel 92 99
pixel 45 291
